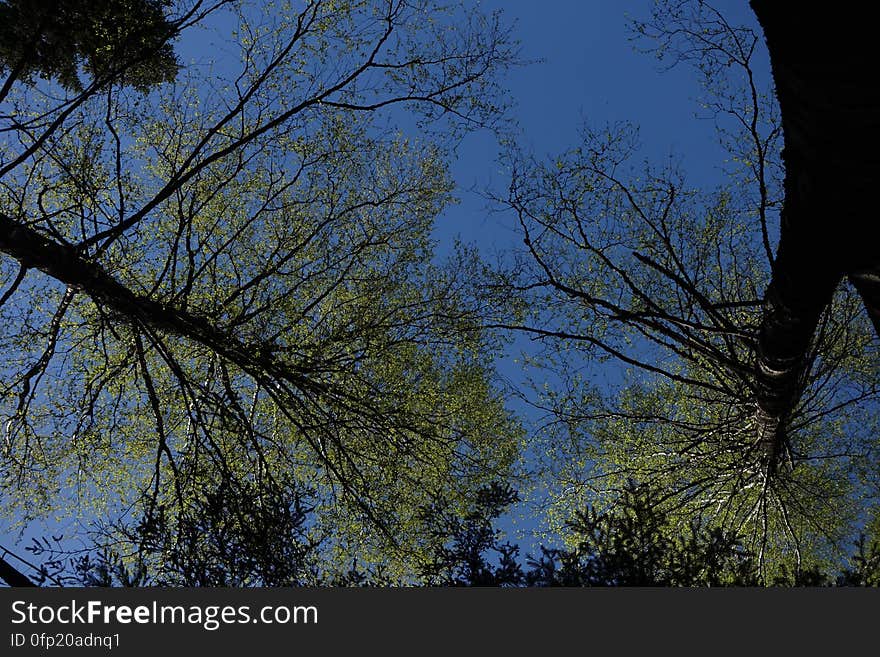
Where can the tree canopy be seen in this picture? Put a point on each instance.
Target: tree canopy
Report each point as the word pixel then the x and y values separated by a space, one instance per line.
pixel 226 281
pixel 233 354
pixel 60 40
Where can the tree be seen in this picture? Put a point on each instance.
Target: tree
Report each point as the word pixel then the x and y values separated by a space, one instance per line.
pixel 248 537
pixel 226 283
pixel 634 544
pixel 829 118
pixel 265 538
pixel 468 550
pixel 631 543
pixel 124 39
pixel 634 266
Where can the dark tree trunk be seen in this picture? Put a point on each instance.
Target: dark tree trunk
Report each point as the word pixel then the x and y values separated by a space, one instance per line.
pixel 66 265
pixel 10 575
pixel 824 66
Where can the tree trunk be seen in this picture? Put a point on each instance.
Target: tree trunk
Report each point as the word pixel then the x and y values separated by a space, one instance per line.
pixel 10 575
pixel 66 265
pixel 824 62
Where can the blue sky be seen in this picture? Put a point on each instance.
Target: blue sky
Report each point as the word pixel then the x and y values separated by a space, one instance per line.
pixel 588 70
